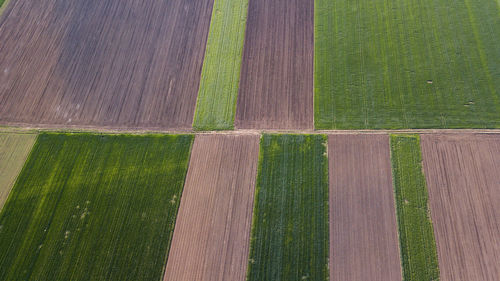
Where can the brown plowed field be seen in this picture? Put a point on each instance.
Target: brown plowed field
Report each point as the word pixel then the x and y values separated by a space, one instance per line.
pixel 464 192
pixel 122 63
pixel 363 229
pixel 212 234
pixel 276 84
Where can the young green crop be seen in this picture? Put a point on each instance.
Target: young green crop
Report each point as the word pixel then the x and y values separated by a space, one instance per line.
pixel 289 239
pixel 406 64
pixel 216 105
pixel 93 207
pixel 416 236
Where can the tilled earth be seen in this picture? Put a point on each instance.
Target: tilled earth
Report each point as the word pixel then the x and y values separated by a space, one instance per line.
pixel 116 63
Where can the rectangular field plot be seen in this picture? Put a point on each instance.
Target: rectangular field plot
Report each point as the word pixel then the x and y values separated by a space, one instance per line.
pixel 212 233
pixel 276 85
pixel 220 77
pixel 14 148
pixel 116 63
pixel 464 193
pixel 416 236
pixel 92 207
pixel 406 64
pixel 363 231
pixel 289 239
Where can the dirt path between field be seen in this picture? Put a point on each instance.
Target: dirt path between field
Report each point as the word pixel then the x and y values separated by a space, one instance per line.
pixel 462 174
pixel 25 127
pixel 363 229
pixel 212 234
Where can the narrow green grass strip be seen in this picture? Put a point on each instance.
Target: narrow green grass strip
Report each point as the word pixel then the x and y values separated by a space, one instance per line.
pixel 14 149
pixel 91 207
pixel 3 5
pixel 416 235
pixel 383 64
pixel 289 239
pixel 216 105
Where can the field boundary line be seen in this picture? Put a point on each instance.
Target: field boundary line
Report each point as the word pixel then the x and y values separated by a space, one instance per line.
pixel 35 129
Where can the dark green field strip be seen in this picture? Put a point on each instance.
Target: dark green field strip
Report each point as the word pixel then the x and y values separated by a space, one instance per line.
pixel 416 235
pixel 220 77
pixel 407 64
pixel 289 239
pixel 91 207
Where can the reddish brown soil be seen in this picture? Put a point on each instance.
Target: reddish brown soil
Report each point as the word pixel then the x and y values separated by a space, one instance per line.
pixel 123 63
pixel 463 178
pixel 276 84
pixel 363 229
pixel 212 233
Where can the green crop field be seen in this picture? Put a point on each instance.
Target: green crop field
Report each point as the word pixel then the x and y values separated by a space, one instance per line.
pixel 216 105
pixel 407 64
pixel 14 148
pixel 92 207
pixel 416 235
pixel 289 239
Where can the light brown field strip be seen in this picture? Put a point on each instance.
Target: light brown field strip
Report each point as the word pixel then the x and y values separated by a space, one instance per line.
pixel 463 178
pixel 276 84
pixel 363 228
pixel 14 149
pixel 114 63
pixel 211 237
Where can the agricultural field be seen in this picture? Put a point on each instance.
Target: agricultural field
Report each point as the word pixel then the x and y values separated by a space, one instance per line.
pixel 276 86
pixel 416 235
pixel 212 233
pixel 14 149
pixel 363 227
pixel 462 177
pixel 94 207
pixel 116 63
pixel 3 4
pixel 289 239
pixel 406 64
pixel 220 76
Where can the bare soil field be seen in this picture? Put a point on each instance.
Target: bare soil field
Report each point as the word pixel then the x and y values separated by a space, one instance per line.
pixel 363 228
pixel 276 84
pixel 212 234
pixel 14 149
pixel 462 174
pixel 117 63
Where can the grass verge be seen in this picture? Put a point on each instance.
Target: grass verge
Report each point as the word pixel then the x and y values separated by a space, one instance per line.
pixel 289 238
pixel 416 235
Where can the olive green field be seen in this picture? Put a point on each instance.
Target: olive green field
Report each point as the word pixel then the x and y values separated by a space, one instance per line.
pixel 94 207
